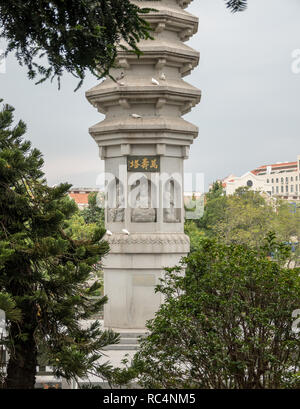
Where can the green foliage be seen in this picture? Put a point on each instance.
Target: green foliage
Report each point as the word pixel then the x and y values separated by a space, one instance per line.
pixel 216 191
pixel 74 36
pixel 236 5
pixel 47 268
pixel 194 233
pixel 227 324
pixel 94 213
pixel 214 211
pixel 246 217
pixel 78 229
pixel 8 305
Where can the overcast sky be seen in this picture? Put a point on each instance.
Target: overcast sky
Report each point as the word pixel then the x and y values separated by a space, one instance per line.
pixel 248 116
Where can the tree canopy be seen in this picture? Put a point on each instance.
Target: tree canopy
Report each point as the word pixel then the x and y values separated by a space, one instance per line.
pixel 75 36
pixel 50 37
pixel 47 281
pixel 247 216
pixel 226 324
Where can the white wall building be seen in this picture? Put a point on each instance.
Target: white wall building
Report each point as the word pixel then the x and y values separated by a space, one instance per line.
pixel 281 179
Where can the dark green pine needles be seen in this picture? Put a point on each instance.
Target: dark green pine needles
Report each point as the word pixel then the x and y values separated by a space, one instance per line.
pixel 47 280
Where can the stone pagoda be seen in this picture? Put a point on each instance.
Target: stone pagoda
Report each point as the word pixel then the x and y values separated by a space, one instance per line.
pixel 144 142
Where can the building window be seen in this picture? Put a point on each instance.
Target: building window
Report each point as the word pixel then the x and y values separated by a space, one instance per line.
pixel 277 180
pixel 272 189
pixel 286 180
pixel 282 180
pixel 287 189
pixel 292 179
pixel 292 188
pixel 282 189
pixel 268 181
pixel 272 180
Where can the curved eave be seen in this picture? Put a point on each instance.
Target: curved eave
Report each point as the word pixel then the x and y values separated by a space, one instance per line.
pixel 186 27
pixel 186 99
pixel 158 49
pixel 137 88
pixel 155 5
pixel 115 126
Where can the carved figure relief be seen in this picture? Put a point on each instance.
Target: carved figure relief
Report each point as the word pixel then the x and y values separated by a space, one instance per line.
pixel 142 211
pixel 117 213
pixel 172 212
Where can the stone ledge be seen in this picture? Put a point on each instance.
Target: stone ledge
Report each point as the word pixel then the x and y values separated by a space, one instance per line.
pixel 138 243
pixel 145 124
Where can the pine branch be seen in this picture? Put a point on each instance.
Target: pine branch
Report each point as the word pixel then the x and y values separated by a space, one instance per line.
pixel 236 5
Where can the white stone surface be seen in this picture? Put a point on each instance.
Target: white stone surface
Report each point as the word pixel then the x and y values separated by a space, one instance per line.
pixel 143 109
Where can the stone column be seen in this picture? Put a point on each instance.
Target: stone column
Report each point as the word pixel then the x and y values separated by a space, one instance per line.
pixel 144 141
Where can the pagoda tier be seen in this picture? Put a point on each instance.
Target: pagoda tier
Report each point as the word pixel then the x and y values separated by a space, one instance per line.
pixel 151 86
pixel 144 141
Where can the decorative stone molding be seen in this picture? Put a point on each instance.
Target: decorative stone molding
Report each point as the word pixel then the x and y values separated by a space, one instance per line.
pixel 149 243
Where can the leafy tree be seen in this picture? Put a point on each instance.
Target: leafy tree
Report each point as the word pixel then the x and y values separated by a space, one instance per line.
pixel 50 37
pixel 94 213
pixel 214 211
pixel 75 36
pixel 247 216
pixel 227 324
pixel 194 233
pixel 217 190
pixel 78 229
pixel 286 224
pixel 46 275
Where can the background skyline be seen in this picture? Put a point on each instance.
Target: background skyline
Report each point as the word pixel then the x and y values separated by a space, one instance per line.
pixel 248 115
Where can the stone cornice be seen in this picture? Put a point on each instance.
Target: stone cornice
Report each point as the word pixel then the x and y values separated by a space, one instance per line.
pixel 162 53
pixel 155 127
pixel 179 93
pixel 171 17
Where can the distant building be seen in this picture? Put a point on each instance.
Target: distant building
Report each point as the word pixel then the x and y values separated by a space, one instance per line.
pixel 81 196
pixel 281 180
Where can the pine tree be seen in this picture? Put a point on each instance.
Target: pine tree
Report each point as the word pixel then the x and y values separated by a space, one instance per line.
pixel 46 275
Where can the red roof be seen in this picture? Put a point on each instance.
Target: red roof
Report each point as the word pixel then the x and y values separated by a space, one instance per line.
pixel 275 165
pixel 80 198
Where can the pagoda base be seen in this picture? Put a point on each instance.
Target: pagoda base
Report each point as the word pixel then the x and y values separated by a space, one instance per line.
pixel 133 269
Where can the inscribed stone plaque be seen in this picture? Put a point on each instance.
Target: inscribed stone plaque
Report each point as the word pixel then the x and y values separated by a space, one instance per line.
pixel 144 163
